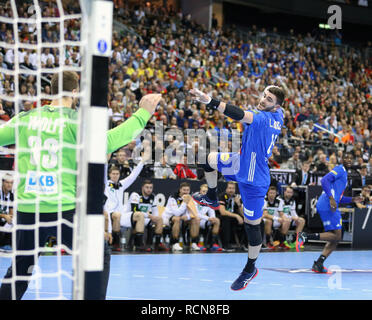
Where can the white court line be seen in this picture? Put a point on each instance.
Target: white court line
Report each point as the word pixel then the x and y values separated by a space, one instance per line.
pixel 184 278
pixel 161 277
pixel 206 280
pixel 275 284
pixel 367 290
pixel 321 287
pixel 138 276
pixel 298 286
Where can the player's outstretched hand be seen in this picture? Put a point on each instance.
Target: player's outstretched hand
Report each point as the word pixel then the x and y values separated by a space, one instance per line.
pixel 150 101
pixel 200 96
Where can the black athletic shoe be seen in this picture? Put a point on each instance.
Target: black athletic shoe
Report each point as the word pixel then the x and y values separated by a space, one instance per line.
pixel 319 268
pixel 203 200
pixel 243 280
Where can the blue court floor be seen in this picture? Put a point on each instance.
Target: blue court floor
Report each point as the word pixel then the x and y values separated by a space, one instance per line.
pixel 208 276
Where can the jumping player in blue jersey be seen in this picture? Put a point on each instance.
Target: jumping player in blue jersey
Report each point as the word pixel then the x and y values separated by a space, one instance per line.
pixel 249 168
pixel 334 184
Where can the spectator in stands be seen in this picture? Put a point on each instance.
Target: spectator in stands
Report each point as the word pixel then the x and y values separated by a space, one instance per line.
pixel 366 198
pixel 332 161
pixel 321 166
pixel 293 163
pixel 277 157
pixel 3 114
pixel 364 178
pixel 6 211
pixel 231 216
pixel 274 219
pixel 129 150
pixel 115 114
pixel 162 170
pixel 182 170
pixel 288 207
pixel 369 166
pixel 302 176
pixel 179 212
pixel 209 224
pixel 121 162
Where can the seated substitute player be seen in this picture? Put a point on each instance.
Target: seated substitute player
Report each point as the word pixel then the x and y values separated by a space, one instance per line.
pixel 208 222
pixel 47 159
pixel 145 204
pixel 333 184
pixel 181 210
pixel 287 207
pixel 249 168
pixel 114 192
pixel 231 216
pixel 274 219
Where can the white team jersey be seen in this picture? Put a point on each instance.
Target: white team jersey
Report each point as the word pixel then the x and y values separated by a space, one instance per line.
pixel 204 212
pixel 115 194
pixel 175 208
pixel 146 205
pixel 288 207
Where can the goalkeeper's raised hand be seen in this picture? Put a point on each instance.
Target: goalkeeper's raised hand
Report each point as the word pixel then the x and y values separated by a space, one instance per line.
pixel 150 102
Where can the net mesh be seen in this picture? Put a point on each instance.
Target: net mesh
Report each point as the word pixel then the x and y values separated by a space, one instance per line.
pixel 37 40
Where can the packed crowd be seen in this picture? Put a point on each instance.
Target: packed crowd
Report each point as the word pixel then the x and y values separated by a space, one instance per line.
pixel 164 51
pixel 326 87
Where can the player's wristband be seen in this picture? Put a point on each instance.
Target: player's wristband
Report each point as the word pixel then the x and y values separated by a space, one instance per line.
pixel 213 104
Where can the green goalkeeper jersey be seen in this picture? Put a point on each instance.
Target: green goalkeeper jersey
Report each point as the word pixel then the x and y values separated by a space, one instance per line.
pixel 47 152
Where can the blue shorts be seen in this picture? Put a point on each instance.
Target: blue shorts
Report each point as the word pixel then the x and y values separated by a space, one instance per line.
pixel 331 220
pixel 253 197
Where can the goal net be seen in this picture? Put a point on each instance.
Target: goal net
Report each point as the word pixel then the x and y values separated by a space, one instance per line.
pixel 50 143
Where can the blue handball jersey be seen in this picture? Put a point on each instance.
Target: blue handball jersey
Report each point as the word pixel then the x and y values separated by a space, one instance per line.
pixel 337 187
pixel 257 144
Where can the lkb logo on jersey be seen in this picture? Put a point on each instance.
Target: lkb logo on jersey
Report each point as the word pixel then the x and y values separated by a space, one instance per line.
pixel 42 182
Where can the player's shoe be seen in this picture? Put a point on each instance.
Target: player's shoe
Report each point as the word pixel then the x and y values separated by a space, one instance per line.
pixel 203 200
pixel 161 247
pixel 177 247
pixel 194 247
pixel 116 248
pixel 215 247
pixel 319 268
pixel 243 280
pixel 201 247
pixel 271 246
pixel 284 245
pixel 143 249
pixel 301 238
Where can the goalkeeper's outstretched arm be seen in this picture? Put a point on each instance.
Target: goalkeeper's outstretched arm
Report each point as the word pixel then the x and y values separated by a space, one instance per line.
pixel 130 129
